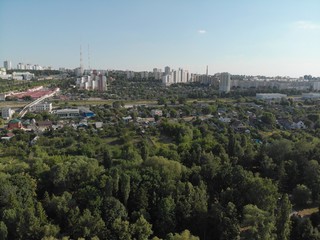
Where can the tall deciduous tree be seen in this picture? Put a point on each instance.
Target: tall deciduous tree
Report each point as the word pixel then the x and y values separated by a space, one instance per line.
pixel 283 222
pixel 259 224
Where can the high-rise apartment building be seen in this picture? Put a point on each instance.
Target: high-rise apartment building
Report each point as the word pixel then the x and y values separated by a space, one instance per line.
pixel 144 75
pixel 96 81
pixel 166 70
pixel 7 65
pixel 102 83
pixel 225 82
pixel 21 66
pixel 176 76
pixel 157 73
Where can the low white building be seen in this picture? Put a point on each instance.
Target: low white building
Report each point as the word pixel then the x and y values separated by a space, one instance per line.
pixel 22 76
pixel 3 72
pixel 68 113
pixel 41 107
pixel 7 113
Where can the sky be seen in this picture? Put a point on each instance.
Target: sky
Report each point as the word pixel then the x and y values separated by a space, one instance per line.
pixel 250 37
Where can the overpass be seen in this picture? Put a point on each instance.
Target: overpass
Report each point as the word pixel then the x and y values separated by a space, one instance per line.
pixel 35 102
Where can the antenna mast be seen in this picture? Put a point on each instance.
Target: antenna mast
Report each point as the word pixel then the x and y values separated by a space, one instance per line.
pixel 81 65
pixel 89 57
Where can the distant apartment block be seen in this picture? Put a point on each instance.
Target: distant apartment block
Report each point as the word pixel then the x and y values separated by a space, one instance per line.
pixel 79 71
pixel 206 79
pixel 225 82
pixel 7 113
pixel 310 95
pixel 167 70
pixel 130 74
pixel 176 76
pixel 7 65
pixel 29 66
pixel 94 82
pixel 270 96
pixel 157 73
pixel 281 84
pixel 41 107
pixel 144 75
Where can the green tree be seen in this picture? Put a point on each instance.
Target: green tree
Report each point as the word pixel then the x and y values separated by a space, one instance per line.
pixel 301 195
pixel 141 229
pixel 162 101
pixel 312 178
pixel 268 118
pixel 185 235
pixel 259 223
pixel 283 222
pixel 3 231
pixel 88 225
pixel 165 218
pixel 125 188
pixel 121 229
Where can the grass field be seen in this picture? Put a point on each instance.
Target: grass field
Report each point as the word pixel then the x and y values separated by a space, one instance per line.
pixel 13 104
pixel 307 211
pixel 88 102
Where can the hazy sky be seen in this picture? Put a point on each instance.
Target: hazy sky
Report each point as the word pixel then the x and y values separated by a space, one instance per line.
pixel 271 37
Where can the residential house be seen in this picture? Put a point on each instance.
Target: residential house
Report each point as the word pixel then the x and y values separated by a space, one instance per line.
pixel 14 124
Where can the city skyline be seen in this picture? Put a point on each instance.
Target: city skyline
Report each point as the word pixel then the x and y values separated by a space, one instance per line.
pixel 250 37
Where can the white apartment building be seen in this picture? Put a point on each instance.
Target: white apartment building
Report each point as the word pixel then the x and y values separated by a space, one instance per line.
pixel 41 107
pixel 225 82
pixel 94 82
pixel 37 67
pixel 21 66
pixel 176 76
pixel 7 113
